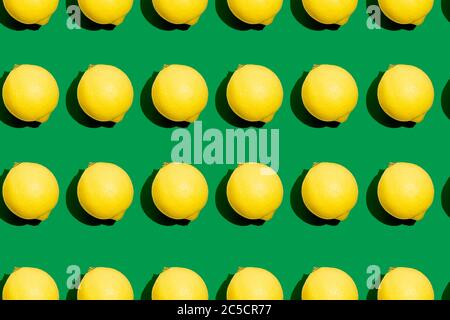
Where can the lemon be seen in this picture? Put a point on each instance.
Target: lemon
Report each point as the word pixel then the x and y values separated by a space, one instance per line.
pixel 406 191
pixel 405 93
pixel 180 11
pixel 405 284
pixel 255 191
pixel 330 191
pixel 105 284
pixel 180 93
pixel 254 284
pixel 105 93
pixel 105 191
pixel 30 93
pixel 255 93
pixel 106 11
pixel 406 11
pixel 31 11
pixel 179 284
pixel 30 284
pixel 330 93
pixel 255 11
pixel 180 191
pixel 329 284
pixel 330 11
pixel 30 191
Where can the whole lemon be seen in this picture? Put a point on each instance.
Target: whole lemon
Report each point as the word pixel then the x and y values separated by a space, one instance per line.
pixel 405 191
pixel 405 284
pixel 180 11
pixel 330 191
pixel 180 93
pixel 30 93
pixel 30 191
pixel 179 284
pixel 255 11
pixel 255 191
pixel 255 93
pixel 105 93
pixel 254 284
pixel 329 284
pixel 405 93
pixel 106 11
pixel 329 93
pixel 406 11
pixel 180 191
pixel 30 284
pixel 330 11
pixel 31 11
pixel 105 191
pixel 105 284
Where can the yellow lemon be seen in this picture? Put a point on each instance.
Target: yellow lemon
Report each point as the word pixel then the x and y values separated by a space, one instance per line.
pixel 329 284
pixel 105 93
pixel 405 284
pixel 330 191
pixel 330 11
pixel 105 191
pixel 30 93
pixel 30 191
pixel 180 191
pixel 180 93
pixel 255 93
pixel 106 11
pixel 406 191
pixel 329 93
pixel 405 93
pixel 105 284
pixel 255 11
pixel 180 11
pixel 406 11
pixel 179 284
pixel 30 284
pixel 31 11
pixel 254 284
pixel 255 191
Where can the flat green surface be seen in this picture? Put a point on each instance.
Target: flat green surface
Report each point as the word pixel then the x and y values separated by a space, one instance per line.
pixel 289 245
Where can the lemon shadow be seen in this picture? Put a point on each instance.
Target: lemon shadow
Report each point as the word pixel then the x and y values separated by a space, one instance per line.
pixel 224 109
pixel 222 292
pixel 446 294
pixel 375 110
pixel 445 197
pixel 7 118
pixel 300 14
pixel 75 208
pixel 150 14
pixel 87 23
pixel 387 23
pixel 11 23
pixel 377 210
pixel 225 209
pixel 225 14
pixel 445 99
pixel 300 111
pixel 299 207
pixel 2 283
pixel 74 108
pixel 297 292
pixel 147 292
pixel 7 216
pixel 149 110
pixel 150 209
pixel 445 5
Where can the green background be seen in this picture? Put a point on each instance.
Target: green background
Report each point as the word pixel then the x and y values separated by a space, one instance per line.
pixel 292 243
